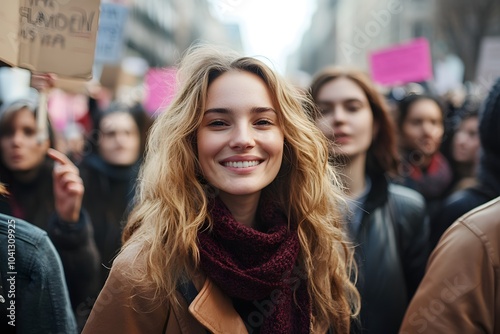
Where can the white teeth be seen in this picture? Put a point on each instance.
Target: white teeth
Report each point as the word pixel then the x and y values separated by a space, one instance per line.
pixel 241 164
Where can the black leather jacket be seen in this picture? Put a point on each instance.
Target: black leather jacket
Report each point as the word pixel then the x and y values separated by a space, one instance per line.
pixel 392 250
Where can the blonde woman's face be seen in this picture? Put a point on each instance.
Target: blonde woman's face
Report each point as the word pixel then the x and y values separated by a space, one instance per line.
pixel 21 150
pixel 346 117
pixel 240 141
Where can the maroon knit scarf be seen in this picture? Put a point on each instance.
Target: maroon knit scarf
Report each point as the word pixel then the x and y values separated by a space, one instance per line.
pixel 258 267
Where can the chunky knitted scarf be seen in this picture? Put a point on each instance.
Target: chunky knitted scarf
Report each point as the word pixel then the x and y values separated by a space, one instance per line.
pixel 258 268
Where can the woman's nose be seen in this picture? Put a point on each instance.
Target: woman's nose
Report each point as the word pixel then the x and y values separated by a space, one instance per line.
pixel 338 115
pixel 429 129
pixel 242 137
pixel 17 138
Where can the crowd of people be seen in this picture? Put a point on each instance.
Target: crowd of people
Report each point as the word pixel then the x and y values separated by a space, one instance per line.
pixel 257 207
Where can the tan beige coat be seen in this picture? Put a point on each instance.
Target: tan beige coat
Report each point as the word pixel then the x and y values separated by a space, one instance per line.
pixel 120 308
pixel 460 292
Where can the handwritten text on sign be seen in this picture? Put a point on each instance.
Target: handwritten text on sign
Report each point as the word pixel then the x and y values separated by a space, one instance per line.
pixel 41 20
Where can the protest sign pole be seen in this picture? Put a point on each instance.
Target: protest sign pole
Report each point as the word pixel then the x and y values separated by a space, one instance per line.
pixel 41 119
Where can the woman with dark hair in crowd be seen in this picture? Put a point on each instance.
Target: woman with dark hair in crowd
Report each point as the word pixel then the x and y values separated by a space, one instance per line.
pixel 386 221
pixel 424 168
pixel 109 171
pixel 46 190
pixel 465 147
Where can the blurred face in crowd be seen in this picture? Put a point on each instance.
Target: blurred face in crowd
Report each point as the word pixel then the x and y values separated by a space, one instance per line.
pixel 240 140
pixel 465 147
pixel 347 118
pixel 423 128
pixel 21 151
pixel 119 139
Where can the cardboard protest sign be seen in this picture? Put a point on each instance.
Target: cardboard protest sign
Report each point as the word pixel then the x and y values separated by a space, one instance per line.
pixel 72 86
pixel 160 88
pixel 400 64
pixel 110 34
pixel 9 26
pixel 55 36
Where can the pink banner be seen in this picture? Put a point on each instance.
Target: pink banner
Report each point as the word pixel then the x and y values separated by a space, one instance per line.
pixel 403 63
pixel 66 108
pixel 160 89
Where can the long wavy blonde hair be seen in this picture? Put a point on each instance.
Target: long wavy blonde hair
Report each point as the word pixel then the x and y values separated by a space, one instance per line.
pixel 171 201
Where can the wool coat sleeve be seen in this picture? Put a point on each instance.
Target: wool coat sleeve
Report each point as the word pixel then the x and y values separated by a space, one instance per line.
pixel 123 307
pixel 457 294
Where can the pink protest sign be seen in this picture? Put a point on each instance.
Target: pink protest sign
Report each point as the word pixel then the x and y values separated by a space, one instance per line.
pixel 160 88
pixel 403 63
pixel 65 108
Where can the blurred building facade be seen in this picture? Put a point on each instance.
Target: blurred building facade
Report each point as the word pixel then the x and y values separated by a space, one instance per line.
pixel 157 33
pixel 161 30
pixel 319 43
pixel 345 32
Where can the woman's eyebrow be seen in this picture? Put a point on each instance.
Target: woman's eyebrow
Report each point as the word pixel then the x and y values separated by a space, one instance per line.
pixel 262 109
pixel 217 111
pixel 348 100
pixel 228 110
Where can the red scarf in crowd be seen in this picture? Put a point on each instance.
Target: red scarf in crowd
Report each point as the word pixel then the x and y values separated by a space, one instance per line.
pixel 432 182
pixel 258 268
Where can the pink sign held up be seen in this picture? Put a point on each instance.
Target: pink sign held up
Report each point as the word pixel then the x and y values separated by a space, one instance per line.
pixel 160 89
pixel 403 63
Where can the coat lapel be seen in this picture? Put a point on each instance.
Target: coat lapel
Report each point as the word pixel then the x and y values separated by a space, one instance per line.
pixel 214 310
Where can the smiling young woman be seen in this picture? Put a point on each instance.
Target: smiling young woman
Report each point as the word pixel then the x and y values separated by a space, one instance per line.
pixel 237 226
pixel 240 141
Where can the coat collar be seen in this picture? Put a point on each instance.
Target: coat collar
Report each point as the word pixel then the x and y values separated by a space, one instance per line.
pixel 214 310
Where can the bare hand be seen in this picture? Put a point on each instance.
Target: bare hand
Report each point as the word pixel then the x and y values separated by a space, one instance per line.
pixel 68 187
pixel 43 81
